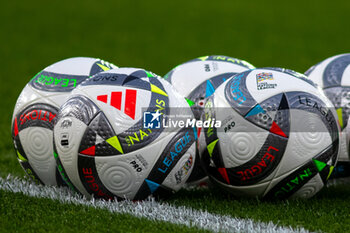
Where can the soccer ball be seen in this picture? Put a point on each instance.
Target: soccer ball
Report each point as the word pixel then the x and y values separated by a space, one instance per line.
pixel 35 112
pixel 196 80
pixel 279 135
pixel 333 76
pixel 110 142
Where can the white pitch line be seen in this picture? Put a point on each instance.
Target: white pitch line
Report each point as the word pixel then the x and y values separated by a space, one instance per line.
pixel 149 209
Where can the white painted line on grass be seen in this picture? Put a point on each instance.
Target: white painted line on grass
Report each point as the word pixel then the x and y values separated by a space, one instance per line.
pixel 149 209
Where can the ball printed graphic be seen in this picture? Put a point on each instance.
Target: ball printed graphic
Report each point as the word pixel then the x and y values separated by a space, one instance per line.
pixel 108 143
pixel 279 136
pixel 36 110
pixel 333 77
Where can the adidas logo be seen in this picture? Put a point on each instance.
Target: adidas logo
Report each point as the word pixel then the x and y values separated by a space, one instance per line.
pixel 116 101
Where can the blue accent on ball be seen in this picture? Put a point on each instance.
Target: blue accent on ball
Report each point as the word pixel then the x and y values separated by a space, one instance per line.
pixel 153 186
pixel 195 133
pixel 256 110
pixel 209 90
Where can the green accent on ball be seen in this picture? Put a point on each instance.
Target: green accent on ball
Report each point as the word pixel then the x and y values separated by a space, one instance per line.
pixel 330 171
pixel 190 102
pixel 55 154
pixel 64 177
pixel 340 116
pixel 20 157
pixel 157 90
pixel 211 147
pixel 114 141
pixel 319 165
pixel 104 68
pixel 150 75
pixel 203 58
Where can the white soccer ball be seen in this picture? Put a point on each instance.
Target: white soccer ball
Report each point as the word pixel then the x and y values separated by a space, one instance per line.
pixel 196 80
pixel 35 113
pixel 109 140
pixel 279 136
pixel 333 76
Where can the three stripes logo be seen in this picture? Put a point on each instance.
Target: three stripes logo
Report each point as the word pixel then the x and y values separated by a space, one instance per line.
pixel 116 101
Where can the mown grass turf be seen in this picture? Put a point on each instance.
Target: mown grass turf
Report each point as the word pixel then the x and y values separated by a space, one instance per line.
pixel 19 213
pixel 328 211
pixel 158 36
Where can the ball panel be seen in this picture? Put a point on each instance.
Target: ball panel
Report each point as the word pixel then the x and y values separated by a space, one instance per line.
pixel 240 140
pixel 321 107
pixel 90 177
pixel 139 163
pixel 241 170
pixel 261 165
pixel 237 94
pixel 292 182
pixel 23 161
pixel 333 72
pixel 316 72
pixel 39 152
pixel 340 97
pixel 308 137
pixel 67 138
pixel 345 80
pixel 118 177
pixel 322 164
pixel 99 138
pixel 28 96
pixel 309 189
pixel 178 145
pixel 79 107
pixel 32 127
pixel 332 75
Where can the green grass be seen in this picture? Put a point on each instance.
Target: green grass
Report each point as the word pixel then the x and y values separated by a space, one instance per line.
pixel 158 36
pixel 328 211
pixel 30 214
